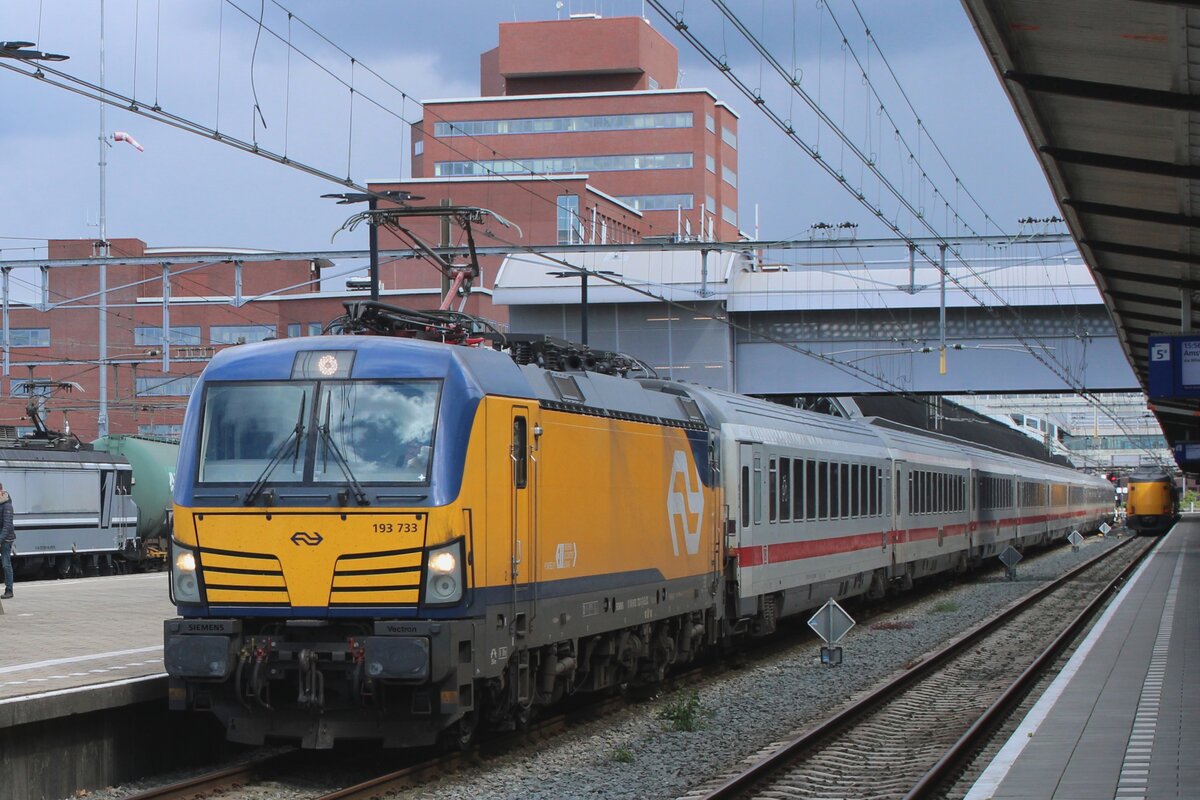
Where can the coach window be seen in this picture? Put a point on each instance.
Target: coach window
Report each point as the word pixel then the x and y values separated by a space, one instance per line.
pixel 835 491
pixel 772 489
pixel 873 488
pixel 745 497
pixel 864 503
pixel 850 489
pixel 758 481
pixel 855 488
pixel 785 490
pixel 519 452
pixel 798 489
pixel 810 489
pixel 823 489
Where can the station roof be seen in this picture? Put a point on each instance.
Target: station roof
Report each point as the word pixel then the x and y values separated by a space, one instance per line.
pixel 1108 93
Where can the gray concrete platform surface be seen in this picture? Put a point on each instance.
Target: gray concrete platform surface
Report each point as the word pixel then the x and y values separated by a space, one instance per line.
pixel 59 637
pixel 1123 718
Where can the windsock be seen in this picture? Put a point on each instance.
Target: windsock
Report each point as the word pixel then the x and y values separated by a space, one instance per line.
pixel 122 136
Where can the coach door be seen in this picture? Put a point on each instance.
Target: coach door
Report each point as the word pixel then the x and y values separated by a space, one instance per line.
pixel 751 551
pixel 524 474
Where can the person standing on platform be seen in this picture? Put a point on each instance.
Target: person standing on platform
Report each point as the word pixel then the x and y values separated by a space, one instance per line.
pixel 8 535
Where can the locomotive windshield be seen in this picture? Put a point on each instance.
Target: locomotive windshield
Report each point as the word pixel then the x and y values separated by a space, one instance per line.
pixel 297 432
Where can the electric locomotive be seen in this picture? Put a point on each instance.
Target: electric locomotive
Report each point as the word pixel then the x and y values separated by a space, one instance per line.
pixel 389 538
pixel 1153 502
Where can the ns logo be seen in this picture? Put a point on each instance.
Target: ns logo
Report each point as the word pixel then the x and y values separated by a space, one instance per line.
pixel 685 504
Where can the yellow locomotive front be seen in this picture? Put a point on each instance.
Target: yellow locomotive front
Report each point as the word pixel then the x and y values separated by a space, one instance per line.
pixel 321 550
pixel 1153 501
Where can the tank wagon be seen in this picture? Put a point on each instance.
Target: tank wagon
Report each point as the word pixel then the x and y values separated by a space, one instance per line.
pixel 153 463
pixel 1152 505
pixel 379 537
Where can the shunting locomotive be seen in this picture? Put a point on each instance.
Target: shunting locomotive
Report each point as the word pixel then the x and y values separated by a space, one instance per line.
pixel 404 537
pixel 1152 505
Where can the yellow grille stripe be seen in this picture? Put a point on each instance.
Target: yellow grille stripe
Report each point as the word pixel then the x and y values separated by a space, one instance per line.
pixel 387 579
pixel 389 561
pixel 246 598
pixel 359 598
pixel 209 559
pixel 216 576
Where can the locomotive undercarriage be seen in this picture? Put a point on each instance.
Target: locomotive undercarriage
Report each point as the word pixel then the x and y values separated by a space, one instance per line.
pixel 405 683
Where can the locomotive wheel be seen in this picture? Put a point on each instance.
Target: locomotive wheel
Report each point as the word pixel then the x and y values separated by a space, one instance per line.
pixel 461 735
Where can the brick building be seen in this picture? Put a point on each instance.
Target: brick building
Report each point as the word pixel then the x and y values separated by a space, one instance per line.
pixel 580 136
pixel 53 351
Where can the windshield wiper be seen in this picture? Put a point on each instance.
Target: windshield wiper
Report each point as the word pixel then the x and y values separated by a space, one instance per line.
pixel 293 441
pixel 360 494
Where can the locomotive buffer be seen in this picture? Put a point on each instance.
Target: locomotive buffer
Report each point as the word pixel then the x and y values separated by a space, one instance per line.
pixel 832 623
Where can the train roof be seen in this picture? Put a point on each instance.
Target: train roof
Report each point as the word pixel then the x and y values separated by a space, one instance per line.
pixel 476 372
pixel 1150 473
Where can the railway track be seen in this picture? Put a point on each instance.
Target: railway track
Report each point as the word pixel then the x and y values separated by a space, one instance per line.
pixel 227 781
pixel 236 781
pixel 904 739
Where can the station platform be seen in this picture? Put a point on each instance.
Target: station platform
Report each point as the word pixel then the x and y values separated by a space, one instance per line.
pixel 68 647
pixel 1122 720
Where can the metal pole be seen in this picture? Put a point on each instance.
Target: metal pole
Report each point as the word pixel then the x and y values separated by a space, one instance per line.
pixel 942 315
pixel 374 245
pixel 7 340
pixel 444 227
pixel 102 418
pixel 583 308
pixel 166 323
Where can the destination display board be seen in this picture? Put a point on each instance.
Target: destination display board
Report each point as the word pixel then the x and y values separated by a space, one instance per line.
pixel 1174 366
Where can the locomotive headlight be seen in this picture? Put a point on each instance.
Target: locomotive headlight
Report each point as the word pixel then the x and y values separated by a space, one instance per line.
pixel 443 574
pixel 443 563
pixel 185 561
pixel 185 585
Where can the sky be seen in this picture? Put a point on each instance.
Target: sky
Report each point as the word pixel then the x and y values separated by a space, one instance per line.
pixel 207 61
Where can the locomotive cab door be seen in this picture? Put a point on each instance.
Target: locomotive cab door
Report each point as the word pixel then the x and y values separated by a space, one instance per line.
pixel 524 483
pixel 107 483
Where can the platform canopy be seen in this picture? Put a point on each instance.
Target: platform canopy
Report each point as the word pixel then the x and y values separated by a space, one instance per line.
pixel 1107 91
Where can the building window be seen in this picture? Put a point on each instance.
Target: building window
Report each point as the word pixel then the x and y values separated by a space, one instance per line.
pixel 538 166
pixel 658 202
pixel 180 334
pixel 710 164
pixel 239 334
pixel 729 137
pixel 293 330
pixel 315 328
pixel 607 122
pixel 568 219
pixel 729 215
pixel 418 147
pixel 161 431
pixel 166 386
pixel 29 337
pixel 729 176
pixel 710 203
pixel 710 123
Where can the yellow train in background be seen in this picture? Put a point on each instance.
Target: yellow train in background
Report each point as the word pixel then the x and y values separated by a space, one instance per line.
pixel 1152 505
pixel 380 537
